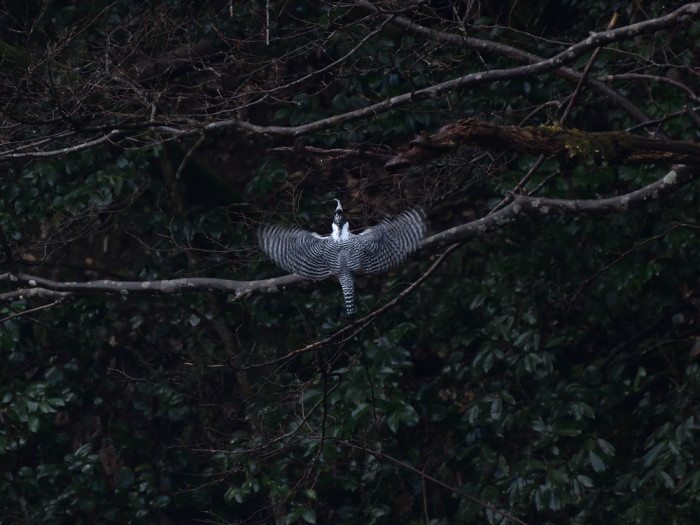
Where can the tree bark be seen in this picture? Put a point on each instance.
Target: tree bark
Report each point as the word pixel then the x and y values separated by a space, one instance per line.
pixel 612 147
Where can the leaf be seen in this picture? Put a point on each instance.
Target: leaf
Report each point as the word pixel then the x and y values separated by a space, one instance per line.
pixel 473 414
pixel 125 476
pixel 667 480
pixel 233 494
pixel 308 515
pixel 651 454
pixel 596 462
pixel 393 422
pixel 581 409
pixel 584 480
pixel 45 407
pixel 33 424
pixel 56 402
pixel 409 416
pixel 496 408
pixel 606 447
pixel 311 397
pixel 293 516
pixel 488 362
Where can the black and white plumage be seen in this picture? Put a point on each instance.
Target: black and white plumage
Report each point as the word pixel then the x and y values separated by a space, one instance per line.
pixel 342 253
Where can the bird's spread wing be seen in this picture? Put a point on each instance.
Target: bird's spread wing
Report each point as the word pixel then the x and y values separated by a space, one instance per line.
pixel 295 250
pixel 389 242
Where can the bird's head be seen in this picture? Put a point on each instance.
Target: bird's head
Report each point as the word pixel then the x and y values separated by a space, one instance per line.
pixel 339 217
pixel 340 224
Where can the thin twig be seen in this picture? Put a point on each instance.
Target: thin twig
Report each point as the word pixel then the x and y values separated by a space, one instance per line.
pixel 423 475
pixel 30 311
pixel 187 156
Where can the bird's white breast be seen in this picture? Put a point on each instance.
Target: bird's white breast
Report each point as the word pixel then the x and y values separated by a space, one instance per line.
pixel 340 234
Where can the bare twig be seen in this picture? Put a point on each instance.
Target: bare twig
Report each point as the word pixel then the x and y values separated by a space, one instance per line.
pixel 383 456
pixel 27 312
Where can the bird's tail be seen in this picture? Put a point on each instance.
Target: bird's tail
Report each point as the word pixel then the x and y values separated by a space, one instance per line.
pixel 347 282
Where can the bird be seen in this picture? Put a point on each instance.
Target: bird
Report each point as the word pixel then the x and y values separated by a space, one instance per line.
pixel 343 254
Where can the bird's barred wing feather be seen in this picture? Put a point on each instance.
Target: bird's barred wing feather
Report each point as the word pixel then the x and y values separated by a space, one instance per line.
pixel 295 250
pixel 391 241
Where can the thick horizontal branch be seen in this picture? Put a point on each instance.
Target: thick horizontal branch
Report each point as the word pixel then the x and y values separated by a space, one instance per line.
pixel 613 147
pixel 520 207
pixel 239 289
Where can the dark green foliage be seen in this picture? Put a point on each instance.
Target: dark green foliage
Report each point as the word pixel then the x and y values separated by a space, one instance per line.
pixel 548 370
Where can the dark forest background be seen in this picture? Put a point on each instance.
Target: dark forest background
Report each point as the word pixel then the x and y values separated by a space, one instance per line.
pixel 535 362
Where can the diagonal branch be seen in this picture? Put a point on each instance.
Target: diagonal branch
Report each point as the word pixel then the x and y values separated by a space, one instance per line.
pixel 524 205
pixel 500 49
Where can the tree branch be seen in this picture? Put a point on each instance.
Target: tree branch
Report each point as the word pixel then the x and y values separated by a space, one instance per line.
pixel 532 69
pixel 497 48
pixel 614 147
pixel 535 66
pixel 521 206
pixel 239 289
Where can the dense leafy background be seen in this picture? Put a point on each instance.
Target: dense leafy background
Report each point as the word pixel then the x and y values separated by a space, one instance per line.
pixel 549 370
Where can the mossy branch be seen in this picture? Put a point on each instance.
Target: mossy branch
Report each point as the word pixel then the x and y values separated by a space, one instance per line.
pixel 612 147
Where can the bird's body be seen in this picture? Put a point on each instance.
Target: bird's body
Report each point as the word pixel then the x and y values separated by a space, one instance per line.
pixel 343 253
